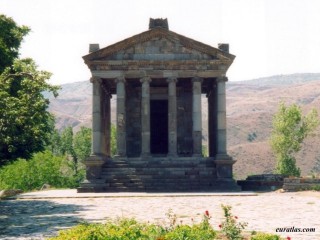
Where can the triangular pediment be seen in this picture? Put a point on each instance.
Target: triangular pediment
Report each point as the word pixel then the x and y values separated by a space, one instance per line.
pixel 160 45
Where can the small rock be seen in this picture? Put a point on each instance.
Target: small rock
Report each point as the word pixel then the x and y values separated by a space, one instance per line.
pixel 9 193
pixel 45 187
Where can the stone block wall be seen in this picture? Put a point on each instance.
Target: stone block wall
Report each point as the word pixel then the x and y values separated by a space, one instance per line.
pixel 133 105
pixel 184 120
pixel 299 184
pixel 263 182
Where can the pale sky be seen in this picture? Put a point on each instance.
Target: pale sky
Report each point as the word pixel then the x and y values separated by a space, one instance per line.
pixel 268 37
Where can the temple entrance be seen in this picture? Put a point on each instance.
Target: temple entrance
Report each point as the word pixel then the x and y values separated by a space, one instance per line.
pixel 159 126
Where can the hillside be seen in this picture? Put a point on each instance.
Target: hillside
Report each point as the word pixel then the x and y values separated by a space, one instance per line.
pixel 250 107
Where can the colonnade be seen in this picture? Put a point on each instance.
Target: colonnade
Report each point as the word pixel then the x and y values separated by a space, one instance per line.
pixel 216 113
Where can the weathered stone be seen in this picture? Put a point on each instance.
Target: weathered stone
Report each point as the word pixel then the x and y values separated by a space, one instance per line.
pixel 262 182
pixel 159 77
pixel 45 187
pixel 299 184
pixel 9 193
pixel 145 117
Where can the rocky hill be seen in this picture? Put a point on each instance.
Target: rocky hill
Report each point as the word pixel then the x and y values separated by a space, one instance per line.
pixel 250 107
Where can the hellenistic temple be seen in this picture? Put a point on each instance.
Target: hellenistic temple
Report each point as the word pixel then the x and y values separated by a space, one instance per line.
pixel 158 78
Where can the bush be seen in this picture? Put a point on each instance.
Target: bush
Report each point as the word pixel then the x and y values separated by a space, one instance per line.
pixel 265 236
pixel 230 227
pixel 194 232
pixel 124 229
pixel 129 229
pixel 42 168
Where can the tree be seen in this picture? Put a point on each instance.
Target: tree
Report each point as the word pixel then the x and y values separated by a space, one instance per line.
pixel 54 145
pixel 25 123
pixel 78 147
pixel 11 36
pixel 113 140
pixel 290 128
pixel 82 143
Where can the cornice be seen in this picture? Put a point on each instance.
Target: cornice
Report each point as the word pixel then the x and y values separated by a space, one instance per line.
pixel 158 65
pixel 161 33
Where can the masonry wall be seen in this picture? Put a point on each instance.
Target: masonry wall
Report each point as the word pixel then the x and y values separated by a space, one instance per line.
pixel 184 118
pixel 133 106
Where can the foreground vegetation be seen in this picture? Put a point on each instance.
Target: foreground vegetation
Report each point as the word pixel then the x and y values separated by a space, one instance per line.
pixel 130 229
pixel 290 129
pixel 42 168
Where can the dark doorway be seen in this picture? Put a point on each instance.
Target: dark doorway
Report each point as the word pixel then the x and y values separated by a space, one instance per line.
pixel 159 126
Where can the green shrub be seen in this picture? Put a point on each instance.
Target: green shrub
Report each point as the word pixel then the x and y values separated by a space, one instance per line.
pixel 130 229
pixel 230 227
pixel 194 232
pixel 124 229
pixel 265 236
pixel 42 168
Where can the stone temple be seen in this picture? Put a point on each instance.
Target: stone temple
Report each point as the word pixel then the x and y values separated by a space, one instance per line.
pixel 158 78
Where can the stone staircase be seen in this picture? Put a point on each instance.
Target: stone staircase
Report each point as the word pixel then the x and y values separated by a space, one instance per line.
pixel 183 174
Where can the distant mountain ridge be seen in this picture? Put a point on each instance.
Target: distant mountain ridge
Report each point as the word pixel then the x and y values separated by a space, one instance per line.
pixel 250 107
pixel 282 79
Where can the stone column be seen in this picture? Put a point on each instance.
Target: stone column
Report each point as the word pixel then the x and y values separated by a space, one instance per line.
pixel 96 116
pixel 221 118
pixel 223 161
pixel 172 117
pixel 145 116
pixel 97 158
pixel 196 117
pixel 106 120
pixel 121 117
pixel 212 119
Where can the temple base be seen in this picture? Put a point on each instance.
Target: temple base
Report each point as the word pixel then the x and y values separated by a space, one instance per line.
pixel 156 174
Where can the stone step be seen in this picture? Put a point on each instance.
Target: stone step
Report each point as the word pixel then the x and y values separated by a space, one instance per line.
pixel 157 165
pixel 158 175
pixel 151 169
pixel 161 175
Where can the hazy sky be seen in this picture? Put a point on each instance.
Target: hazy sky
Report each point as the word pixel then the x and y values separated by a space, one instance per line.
pixel 268 37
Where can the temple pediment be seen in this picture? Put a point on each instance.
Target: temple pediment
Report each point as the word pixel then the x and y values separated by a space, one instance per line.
pixel 159 44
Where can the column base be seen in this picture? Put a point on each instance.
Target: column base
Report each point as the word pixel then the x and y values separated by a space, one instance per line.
pixel 172 155
pixel 223 156
pixel 197 155
pixel 145 155
pixel 94 166
pixel 224 166
pixel 119 156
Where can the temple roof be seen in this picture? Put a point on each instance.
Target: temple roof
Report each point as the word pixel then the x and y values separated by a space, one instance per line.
pixel 157 33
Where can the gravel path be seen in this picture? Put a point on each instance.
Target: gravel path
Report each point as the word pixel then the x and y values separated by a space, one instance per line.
pixel 39 215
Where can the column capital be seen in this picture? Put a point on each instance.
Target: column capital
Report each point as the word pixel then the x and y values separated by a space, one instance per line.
pixel 95 80
pixel 120 79
pixel 197 79
pixel 222 79
pixel 145 79
pixel 172 79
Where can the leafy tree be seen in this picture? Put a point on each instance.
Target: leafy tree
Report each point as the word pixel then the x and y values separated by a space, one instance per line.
pixel 78 147
pixel 25 123
pixel 290 128
pixel 54 145
pixel 316 168
pixel 42 168
pixel 113 140
pixel 205 151
pixel 11 36
pixel 82 143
